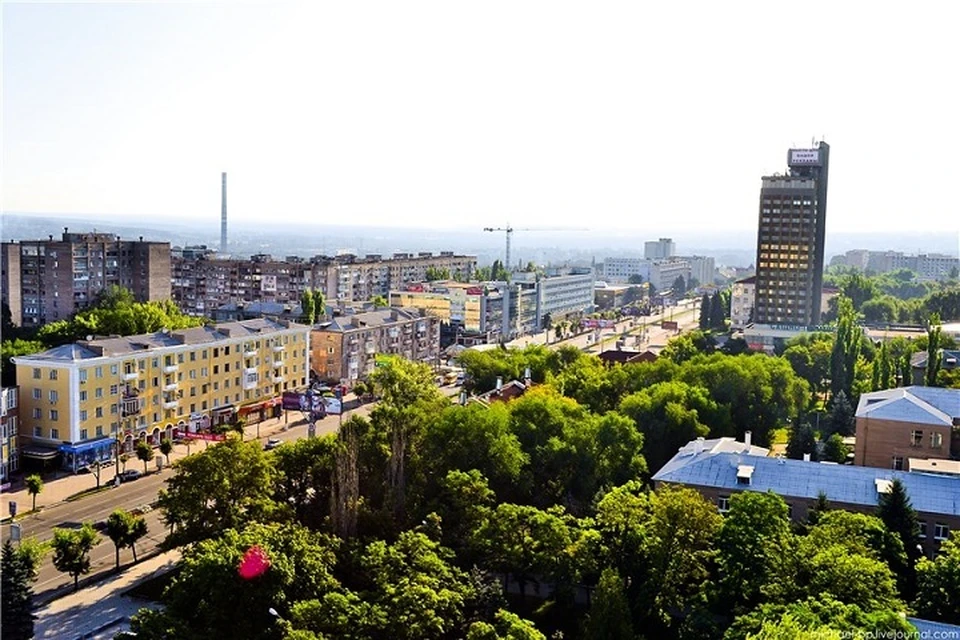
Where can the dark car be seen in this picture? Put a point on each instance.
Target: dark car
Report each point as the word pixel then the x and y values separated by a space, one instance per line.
pixel 129 475
pixel 272 443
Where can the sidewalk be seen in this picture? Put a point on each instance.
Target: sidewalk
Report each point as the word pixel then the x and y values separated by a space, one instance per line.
pixel 57 488
pixel 100 611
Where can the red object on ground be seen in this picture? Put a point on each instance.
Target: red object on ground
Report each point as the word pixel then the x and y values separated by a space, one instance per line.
pixel 254 563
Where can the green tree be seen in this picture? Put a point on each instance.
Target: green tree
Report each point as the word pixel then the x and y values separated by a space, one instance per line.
pixel 319 304
pixel 818 617
pixel 16 608
pixel 901 519
pixel 506 626
pixel 717 314
pixel 802 441
pixel 166 447
pixel 687 345
pixel 34 484
pixel 609 615
pixel 933 351
pixel 705 312
pixel 841 417
pixel 679 286
pixel 834 450
pixel 938 583
pixel 635 278
pixel 144 454
pixel 224 487
pixel 754 532
pixel 13 348
pixel 124 529
pixel 846 349
pixel 308 307
pixel 380 301
pixel 303 477
pixel 858 289
pixel 71 551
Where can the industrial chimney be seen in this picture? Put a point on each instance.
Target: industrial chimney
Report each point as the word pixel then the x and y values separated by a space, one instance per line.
pixel 223 214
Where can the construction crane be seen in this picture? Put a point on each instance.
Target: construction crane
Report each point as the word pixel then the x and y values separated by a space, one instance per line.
pixel 508 231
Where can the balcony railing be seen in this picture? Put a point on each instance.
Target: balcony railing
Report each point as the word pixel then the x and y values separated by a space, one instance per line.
pixel 130 375
pixel 171 368
pixel 170 404
pixel 277 348
pixel 249 353
pixel 170 386
pixel 277 379
pixel 277 364
pixel 130 407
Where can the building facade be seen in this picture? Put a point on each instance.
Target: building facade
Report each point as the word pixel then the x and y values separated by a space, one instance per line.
pixel 663 273
pixel 928 266
pixel 9 432
pixel 469 314
pixel 907 422
pixel 57 278
pixel 659 249
pixel 718 470
pixel 78 399
pixel 790 240
pixel 10 280
pixel 741 302
pixel 702 269
pixel 619 270
pixel 346 348
pixel 202 283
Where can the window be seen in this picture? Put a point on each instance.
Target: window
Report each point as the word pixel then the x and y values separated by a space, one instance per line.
pixel 916 438
pixel 53 395
pixel 53 374
pixel 54 415
pixel 921 529
pixel 83 434
pixel 83 375
pixel 99 412
pixel 99 430
pixel 898 463
pixel 83 396
pixel 37 432
pixel 226 367
pixel 941 531
pixel 193 356
pixel 216 369
pixel 114 369
pixel 37 394
pixel 98 393
pixel 36 374
pixel 83 414
pixel 55 434
pixel 936 440
pixel 113 409
pixel 723 504
pixel 98 372
pixel 114 389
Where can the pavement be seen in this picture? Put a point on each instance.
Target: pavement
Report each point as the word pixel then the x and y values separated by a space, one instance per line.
pixel 72 616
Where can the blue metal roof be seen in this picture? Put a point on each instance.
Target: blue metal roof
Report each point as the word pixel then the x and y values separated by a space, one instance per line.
pixel 929 493
pixel 929 629
pixel 916 404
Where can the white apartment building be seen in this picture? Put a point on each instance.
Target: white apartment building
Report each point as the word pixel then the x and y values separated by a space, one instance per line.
pixel 619 270
pixel 741 302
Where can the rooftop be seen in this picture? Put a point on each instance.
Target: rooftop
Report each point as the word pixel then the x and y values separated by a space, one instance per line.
pixel 718 468
pixel 915 404
pixel 122 345
pixel 368 319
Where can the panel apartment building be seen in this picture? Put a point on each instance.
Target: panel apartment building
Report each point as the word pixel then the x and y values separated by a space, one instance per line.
pixel 76 400
pixel 927 266
pixel 347 347
pixel 469 314
pixel 49 280
pixel 790 240
pixel 9 430
pixel 201 283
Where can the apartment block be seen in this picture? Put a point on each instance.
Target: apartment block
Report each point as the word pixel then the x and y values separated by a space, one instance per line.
pixel 741 302
pixel 907 422
pixel 619 270
pixel 469 314
pixel 928 266
pixel 720 468
pixel 9 427
pixel 78 399
pixel 663 273
pixel 346 348
pixel 659 249
pixel 10 281
pixel 202 283
pixel 57 278
pixel 702 269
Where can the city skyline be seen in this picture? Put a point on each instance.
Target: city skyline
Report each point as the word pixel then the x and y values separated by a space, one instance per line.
pixel 431 114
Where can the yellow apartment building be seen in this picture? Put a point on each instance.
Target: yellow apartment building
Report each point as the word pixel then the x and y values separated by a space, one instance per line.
pixel 77 400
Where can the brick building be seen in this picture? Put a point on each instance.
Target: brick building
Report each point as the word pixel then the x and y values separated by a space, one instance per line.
pixel 57 278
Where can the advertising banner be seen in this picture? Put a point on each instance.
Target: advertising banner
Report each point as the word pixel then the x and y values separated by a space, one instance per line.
pixel 332 405
pixel 291 401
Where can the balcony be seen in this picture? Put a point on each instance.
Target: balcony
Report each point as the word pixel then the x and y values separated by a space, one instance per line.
pixel 130 375
pixel 277 348
pixel 170 386
pixel 277 379
pixel 171 368
pixel 249 353
pixel 277 364
pixel 130 407
pixel 170 404
pixel 250 371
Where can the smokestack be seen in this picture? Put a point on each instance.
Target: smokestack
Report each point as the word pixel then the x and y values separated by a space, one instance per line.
pixel 223 214
pixel 747 438
pixel 806 457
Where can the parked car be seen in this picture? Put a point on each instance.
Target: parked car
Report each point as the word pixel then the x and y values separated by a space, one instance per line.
pixel 272 443
pixel 130 475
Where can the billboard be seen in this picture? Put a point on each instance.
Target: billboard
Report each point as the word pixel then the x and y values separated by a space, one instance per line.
pixel 809 157
pixel 594 323
pixel 332 405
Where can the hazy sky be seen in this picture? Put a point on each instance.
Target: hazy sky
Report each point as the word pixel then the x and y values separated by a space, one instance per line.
pixel 634 114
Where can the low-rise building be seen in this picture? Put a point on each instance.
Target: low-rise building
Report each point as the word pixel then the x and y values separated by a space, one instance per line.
pixel 720 468
pixel 9 426
pixel 949 360
pixel 907 422
pixel 663 273
pixel 79 399
pixel 346 348
pixel 741 302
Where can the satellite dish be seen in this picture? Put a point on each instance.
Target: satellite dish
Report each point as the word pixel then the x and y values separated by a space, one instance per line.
pixel 89 338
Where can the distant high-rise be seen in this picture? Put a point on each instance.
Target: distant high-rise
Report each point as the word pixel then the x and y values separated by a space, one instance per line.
pixel 790 239
pixel 223 213
pixel 659 249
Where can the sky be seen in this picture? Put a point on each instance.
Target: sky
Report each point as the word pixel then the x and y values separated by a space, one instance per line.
pixel 606 115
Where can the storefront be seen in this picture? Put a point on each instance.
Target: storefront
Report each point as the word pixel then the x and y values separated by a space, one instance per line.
pixel 37 458
pixel 260 411
pixel 78 456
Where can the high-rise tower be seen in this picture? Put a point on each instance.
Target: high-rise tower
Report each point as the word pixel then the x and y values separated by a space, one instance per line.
pixel 223 214
pixel 790 239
